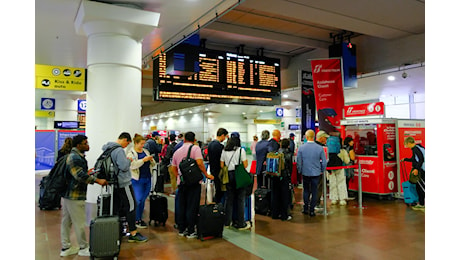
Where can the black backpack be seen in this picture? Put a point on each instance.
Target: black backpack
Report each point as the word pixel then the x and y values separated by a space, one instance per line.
pixel 191 173
pixel 104 168
pixel 54 185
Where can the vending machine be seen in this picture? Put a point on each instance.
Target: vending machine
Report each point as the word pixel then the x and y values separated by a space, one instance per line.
pixel 375 148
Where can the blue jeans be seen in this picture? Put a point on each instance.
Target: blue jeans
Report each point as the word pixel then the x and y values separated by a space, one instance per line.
pixel 310 187
pixel 142 189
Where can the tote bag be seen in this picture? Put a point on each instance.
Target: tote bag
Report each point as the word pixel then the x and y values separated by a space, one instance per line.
pixel 242 177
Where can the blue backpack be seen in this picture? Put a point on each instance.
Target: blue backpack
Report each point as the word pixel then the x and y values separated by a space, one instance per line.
pixel 423 152
pixel 333 144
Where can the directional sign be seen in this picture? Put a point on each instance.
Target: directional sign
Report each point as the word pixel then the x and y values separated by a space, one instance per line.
pixel 279 112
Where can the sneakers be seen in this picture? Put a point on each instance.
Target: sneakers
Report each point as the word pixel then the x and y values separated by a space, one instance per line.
pixel 193 235
pixel 418 207
pixel 69 251
pixel 343 203
pixel 141 224
pixel 183 233
pixel 247 226
pixel 84 252
pixel 287 219
pixel 319 207
pixel 137 238
pixel 333 202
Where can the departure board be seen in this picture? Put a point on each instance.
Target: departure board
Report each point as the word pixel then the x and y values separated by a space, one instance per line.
pixel 223 78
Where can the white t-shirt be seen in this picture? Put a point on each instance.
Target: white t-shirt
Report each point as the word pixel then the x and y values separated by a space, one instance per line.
pixel 227 155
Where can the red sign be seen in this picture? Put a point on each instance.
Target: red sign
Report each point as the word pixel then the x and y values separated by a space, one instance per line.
pixel 365 109
pixel 328 88
pixel 163 133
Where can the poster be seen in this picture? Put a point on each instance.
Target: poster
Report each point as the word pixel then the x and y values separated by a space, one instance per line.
pixel 328 89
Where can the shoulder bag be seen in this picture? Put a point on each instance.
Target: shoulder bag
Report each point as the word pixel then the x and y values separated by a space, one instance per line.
pixel 190 172
pixel 242 177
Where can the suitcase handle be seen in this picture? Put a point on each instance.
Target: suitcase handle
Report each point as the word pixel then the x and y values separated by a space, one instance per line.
pixel 111 199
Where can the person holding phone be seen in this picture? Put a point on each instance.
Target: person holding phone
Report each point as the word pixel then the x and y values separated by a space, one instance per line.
pixel 142 164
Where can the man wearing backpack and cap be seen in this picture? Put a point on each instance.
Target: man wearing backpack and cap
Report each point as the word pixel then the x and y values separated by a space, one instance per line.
pixel 418 168
pixel 153 145
pixel 73 209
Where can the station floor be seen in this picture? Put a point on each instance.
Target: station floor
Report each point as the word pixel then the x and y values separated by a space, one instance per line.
pixel 384 229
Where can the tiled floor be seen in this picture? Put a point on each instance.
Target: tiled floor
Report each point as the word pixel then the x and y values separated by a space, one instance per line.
pixel 383 230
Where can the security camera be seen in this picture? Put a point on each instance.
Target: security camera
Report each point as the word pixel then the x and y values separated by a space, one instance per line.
pixel 404 75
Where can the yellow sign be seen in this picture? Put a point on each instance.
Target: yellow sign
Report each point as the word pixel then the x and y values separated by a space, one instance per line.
pixel 60 78
pixel 152 128
pixel 44 113
pixel 267 121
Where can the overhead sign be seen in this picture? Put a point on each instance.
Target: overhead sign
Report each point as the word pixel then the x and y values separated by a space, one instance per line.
pixel 47 103
pixel 367 109
pixel 66 124
pixel 267 121
pixel 60 78
pixel 44 113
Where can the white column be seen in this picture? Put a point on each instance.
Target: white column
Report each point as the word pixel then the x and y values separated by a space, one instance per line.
pixel 114 60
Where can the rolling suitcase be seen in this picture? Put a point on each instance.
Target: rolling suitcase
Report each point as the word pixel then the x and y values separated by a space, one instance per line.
pixel 104 232
pixel 158 205
pixel 409 190
pixel 262 199
pixel 210 221
pixel 158 209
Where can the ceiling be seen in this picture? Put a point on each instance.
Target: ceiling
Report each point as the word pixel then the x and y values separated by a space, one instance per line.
pixel 283 28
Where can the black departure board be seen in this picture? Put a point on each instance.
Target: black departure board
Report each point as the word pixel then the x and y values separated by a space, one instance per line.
pixel 223 78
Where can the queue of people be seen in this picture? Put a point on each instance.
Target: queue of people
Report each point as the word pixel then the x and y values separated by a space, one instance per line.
pixel 135 169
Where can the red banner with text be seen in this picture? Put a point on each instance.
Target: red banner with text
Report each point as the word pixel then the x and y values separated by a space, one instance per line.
pixel 328 88
pixel 368 109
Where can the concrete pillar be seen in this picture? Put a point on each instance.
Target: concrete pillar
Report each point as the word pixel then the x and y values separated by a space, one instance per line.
pixel 114 61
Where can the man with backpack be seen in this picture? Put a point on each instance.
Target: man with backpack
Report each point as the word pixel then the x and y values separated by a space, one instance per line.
pixel 167 160
pixel 73 210
pixel 418 168
pixel 124 203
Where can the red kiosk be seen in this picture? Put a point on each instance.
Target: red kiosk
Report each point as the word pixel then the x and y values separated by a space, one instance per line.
pixel 375 147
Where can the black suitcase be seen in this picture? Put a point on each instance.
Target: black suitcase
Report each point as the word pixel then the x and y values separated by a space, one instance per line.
pixel 210 221
pixel 104 232
pixel 262 199
pixel 158 209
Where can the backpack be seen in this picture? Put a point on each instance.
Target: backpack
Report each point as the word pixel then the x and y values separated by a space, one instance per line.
pixel 191 173
pixel 205 153
pixel 275 163
pixel 54 185
pixel 104 168
pixel 169 152
pixel 422 149
pixel 333 144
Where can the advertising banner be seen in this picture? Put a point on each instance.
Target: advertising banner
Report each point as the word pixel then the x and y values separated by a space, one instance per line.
pixel 63 134
pixel 368 109
pixel 328 89
pixel 369 176
pixel 44 149
pixel 406 128
pixel 308 113
pixel 60 77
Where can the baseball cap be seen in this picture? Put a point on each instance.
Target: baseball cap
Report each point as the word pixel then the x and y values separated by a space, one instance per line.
pixel 155 133
pixel 291 134
pixel 235 134
pixel 321 133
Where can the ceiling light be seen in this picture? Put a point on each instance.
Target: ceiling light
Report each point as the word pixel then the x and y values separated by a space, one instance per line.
pixel 391 78
pixel 190 111
pixel 227 105
pixel 285 95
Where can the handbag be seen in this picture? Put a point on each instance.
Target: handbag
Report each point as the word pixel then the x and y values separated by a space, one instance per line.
pixel 223 175
pixel 242 177
pixel 414 178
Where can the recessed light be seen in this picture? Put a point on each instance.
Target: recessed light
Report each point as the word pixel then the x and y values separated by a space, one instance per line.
pixel 227 105
pixel 391 78
pixel 285 95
